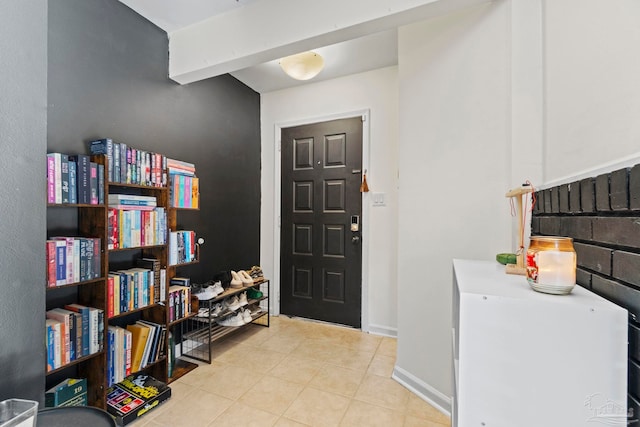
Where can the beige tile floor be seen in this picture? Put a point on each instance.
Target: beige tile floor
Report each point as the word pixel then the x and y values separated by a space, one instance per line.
pixel 295 373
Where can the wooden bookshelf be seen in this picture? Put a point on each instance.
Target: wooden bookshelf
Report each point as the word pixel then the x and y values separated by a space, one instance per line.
pixel 92 221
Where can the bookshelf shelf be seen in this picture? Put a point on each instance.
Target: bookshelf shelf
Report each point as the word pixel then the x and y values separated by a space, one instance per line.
pixel 185 263
pixel 76 284
pixel 137 186
pixel 75 205
pixel 75 362
pixel 132 311
pixel 137 248
pixel 91 220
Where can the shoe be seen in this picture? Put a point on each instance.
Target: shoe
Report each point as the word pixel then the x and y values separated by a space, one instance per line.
pixel 246 279
pixel 246 316
pixel 217 288
pixel 203 312
pixel 236 280
pixel 255 310
pixel 206 293
pixel 217 310
pixel 256 273
pixel 235 320
pixel 253 293
pixel 242 299
pixel 231 303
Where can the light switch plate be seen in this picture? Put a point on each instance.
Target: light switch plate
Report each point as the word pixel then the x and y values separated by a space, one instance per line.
pixel 378 199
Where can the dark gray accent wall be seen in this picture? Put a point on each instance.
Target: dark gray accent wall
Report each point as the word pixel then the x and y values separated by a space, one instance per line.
pixel 23 121
pixel 604 221
pixel 108 78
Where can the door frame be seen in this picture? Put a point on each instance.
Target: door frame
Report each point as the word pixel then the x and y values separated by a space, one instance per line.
pixel 365 114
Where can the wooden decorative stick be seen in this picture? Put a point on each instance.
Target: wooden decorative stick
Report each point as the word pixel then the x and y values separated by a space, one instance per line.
pixel 518 193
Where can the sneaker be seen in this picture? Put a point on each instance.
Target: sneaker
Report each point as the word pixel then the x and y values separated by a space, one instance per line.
pixel 217 310
pixel 255 309
pixel 206 293
pixel 242 299
pixel 236 280
pixel 253 293
pixel 256 273
pixel 246 279
pixel 235 320
pixel 217 288
pixel 246 316
pixel 231 303
pixel 203 312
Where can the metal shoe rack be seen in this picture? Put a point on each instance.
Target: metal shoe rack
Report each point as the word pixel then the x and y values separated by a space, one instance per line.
pixel 199 332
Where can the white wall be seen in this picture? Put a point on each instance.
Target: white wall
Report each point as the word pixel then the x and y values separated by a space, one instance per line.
pixel 376 91
pixel 455 168
pixel 592 84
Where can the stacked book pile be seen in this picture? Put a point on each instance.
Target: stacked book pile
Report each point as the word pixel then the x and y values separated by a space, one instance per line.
pixel 73 332
pixel 135 396
pixel 74 179
pixel 129 165
pixel 184 191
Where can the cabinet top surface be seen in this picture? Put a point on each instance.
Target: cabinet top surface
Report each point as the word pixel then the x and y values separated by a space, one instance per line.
pixel 489 278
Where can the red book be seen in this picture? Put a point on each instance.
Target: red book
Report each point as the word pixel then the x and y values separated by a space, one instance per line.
pixel 51 263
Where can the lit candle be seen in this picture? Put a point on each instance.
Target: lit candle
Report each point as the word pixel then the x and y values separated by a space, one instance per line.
pixel 556 268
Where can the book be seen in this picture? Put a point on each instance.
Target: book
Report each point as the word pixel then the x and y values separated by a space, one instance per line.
pixel 64 165
pixel 139 337
pixel 73 182
pixel 84 312
pixel 61 262
pixel 83 176
pixel 70 392
pixel 148 344
pixel 93 183
pixel 51 178
pixel 67 320
pixel 54 350
pixel 135 396
pixel 152 264
pixel 104 146
pixel 57 175
pixel 51 263
pixel 100 184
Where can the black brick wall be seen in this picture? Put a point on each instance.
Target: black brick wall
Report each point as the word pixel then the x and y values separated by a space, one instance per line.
pixel 602 215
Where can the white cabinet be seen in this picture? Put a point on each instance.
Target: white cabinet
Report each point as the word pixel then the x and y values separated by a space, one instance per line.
pixel 523 358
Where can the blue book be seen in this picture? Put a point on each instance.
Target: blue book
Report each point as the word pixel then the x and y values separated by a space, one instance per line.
pixel 83 177
pixel 116 162
pixel 104 146
pixel 73 182
pixel 84 311
pixel 61 262
pixel 100 184
pixel 51 336
pixel 64 167
pixel 111 353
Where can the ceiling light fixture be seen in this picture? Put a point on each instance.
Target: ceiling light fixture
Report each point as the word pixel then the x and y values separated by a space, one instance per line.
pixel 302 66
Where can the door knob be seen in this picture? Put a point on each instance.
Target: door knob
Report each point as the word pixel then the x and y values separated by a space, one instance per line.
pixel 355 239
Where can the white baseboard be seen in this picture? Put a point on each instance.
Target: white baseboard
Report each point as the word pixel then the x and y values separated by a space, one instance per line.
pixel 423 390
pixel 386 331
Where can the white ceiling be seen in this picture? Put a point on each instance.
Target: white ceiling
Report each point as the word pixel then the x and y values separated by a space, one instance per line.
pixel 353 56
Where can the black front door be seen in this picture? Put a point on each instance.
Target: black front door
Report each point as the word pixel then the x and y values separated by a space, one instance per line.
pixel 321 255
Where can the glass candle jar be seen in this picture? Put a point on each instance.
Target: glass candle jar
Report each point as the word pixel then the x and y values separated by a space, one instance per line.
pixel 551 261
